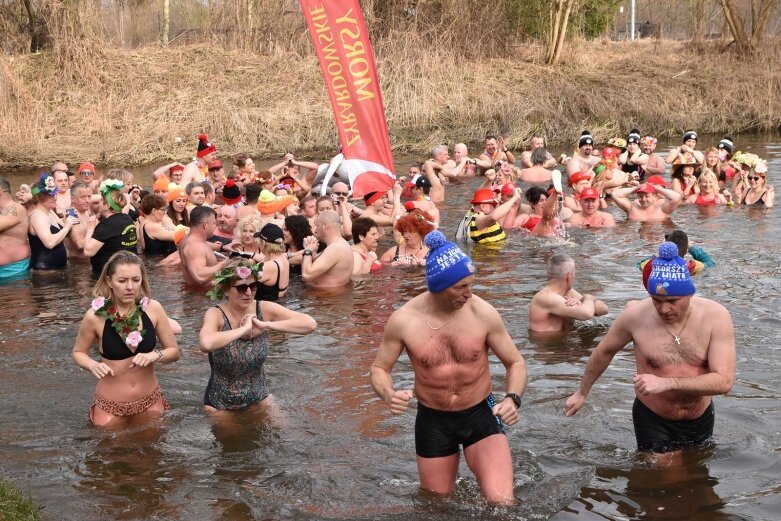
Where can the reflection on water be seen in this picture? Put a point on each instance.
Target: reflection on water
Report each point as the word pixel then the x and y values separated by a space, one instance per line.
pixel 337 453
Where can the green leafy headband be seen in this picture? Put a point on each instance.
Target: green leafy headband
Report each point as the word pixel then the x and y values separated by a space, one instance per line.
pixel 242 271
pixel 108 186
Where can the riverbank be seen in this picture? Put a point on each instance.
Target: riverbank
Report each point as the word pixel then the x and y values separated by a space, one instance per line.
pixel 15 506
pixel 128 107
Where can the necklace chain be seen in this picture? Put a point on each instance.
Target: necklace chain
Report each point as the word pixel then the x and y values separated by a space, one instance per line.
pixel 677 338
pixel 425 317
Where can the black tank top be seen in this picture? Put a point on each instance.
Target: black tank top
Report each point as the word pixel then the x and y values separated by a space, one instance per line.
pixel 43 258
pixel 115 348
pixel 156 246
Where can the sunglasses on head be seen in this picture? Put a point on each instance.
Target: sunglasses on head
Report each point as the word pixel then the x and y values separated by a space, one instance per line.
pixel 242 288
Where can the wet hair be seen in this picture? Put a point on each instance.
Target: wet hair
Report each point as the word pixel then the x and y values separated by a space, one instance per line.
pixel 417 221
pixel 298 227
pixel 534 194
pixel 560 265
pixel 152 202
pixel 680 239
pixel 200 214
pixel 539 155
pixel 252 193
pixel 5 185
pixel 361 227
pixel 120 258
pixel 78 185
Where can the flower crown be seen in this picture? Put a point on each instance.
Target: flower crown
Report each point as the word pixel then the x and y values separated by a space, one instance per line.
pixel 45 185
pixel 746 158
pixel 241 271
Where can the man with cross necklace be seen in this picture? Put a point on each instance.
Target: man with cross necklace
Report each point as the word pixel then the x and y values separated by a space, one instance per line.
pixel 685 354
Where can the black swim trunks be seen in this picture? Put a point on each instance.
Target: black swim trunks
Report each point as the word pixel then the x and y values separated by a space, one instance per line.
pixel 657 434
pixel 439 433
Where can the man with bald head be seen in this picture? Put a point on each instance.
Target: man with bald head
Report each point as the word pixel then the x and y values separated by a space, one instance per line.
pixel 333 267
pixel 226 224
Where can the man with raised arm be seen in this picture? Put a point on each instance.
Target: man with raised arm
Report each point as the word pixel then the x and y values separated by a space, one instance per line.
pixel 448 334
pixel 557 305
pixel 648 206
pixel 685 353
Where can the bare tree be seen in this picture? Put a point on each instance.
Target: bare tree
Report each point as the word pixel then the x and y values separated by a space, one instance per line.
pixel 747 42
pixel 557 29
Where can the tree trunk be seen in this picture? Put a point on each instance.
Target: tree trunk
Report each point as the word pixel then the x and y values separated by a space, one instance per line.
pixel 735 24
pixel 557 29
pixel 166 21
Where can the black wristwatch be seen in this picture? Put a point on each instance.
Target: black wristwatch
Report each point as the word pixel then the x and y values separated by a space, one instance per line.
pixel 515 398
pixel 308 252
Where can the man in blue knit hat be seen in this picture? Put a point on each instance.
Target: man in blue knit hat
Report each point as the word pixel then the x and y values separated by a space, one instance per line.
pixel 448 333
pixel 684 351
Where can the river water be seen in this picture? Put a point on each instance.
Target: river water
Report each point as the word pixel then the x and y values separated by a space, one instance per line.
pixel 338 453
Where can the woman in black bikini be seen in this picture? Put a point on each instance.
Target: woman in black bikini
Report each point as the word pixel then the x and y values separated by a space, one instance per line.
pixel 156 238
pixel 753 190
pixel 127 324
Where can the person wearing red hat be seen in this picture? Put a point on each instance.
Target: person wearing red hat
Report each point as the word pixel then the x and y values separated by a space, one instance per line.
pixel 166 171
pixel 87 175
pixel 421 199
pixel 486 212
pixel 377 211
pixel 590 216
pixel 198 169
pixel 653 203
pixel 579 181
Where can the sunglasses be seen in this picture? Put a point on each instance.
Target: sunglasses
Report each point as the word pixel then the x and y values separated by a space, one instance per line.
pixel 753 178
pixel 342 193
pixel 86 172
pixel 242 288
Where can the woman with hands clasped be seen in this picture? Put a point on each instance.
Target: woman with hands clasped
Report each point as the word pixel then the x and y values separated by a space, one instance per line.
pixel 126 323
pixel 235 336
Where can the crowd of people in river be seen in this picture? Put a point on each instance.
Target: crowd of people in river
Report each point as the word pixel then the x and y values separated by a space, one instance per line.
pixel 240 234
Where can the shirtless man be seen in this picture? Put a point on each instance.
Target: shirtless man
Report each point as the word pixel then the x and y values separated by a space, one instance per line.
pixel 589 215
pixel 377 211
pixel 81 195
pixel 198 170
pixel 461 154
pixel 439 168
pixel 557 305
pixel 655 164
pixel 648 206
pixel 685 353
pixel 537 172
pixel 495 150
pixel 448 333
pixel 199 261
pixel 14 247
pixel 583 160
pixel 63 191
pixel 333 267
pixel 226 224
pixel 536 142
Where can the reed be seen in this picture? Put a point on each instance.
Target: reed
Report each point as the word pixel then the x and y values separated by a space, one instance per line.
pixel 15 506
pixel 125 107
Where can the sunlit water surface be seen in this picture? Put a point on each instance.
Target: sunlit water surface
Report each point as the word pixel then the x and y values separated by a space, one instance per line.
pixel 338 453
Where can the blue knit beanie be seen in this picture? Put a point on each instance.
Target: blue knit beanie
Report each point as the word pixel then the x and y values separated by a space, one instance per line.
pixel 445 263
pixel 669 274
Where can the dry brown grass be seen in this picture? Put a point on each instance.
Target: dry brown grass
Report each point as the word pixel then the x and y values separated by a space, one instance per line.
pixel 127 107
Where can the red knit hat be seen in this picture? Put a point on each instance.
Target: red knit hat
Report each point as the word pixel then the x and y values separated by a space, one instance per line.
pixel 231 193
pixel 175 168
pixel 204 146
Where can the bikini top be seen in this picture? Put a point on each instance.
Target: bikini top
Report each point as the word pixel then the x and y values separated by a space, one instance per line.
pixel 114 348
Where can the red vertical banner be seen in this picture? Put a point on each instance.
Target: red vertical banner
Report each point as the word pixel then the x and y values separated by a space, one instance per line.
pixel 346 59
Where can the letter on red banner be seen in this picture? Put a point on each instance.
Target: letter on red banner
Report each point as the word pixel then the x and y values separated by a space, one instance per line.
pixel 342 44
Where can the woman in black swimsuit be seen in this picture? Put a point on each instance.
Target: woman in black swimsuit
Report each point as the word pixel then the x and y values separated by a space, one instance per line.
pixel 275 277
pixel 753 190
pixel 126 324
pixel 156 238
pixel 47 231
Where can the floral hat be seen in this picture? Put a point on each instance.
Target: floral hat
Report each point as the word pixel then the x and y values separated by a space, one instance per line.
pixel 244 270
pixel 45 185
pixel 746 158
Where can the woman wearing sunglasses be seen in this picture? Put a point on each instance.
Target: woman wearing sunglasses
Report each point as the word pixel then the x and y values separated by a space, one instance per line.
pixel 234 335
pixel 752 189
